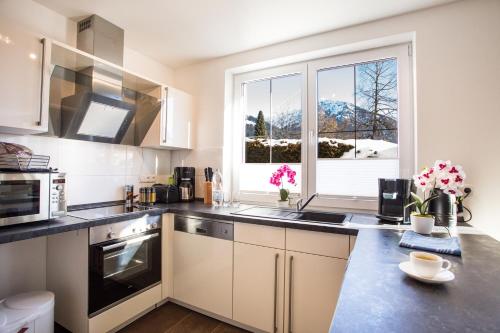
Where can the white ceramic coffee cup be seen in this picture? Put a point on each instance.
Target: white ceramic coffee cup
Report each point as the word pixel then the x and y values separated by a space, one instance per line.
pixel 427 264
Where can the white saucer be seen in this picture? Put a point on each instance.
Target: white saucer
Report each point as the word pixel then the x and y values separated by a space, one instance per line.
pixel 441 277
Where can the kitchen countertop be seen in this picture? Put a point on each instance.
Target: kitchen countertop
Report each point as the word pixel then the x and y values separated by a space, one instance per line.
pixel 68 223
pixel 375 296
pixel 198 209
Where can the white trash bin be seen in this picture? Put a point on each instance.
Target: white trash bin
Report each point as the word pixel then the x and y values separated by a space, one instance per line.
pixel 31 312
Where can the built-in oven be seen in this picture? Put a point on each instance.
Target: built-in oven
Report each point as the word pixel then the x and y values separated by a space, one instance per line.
pixel 31 196
pixel 124 260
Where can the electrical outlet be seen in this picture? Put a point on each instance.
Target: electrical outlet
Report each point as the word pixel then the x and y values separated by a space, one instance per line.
pixel 147 178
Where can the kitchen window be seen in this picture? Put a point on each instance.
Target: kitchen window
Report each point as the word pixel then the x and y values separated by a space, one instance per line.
pixel 271 124
pixel 341 122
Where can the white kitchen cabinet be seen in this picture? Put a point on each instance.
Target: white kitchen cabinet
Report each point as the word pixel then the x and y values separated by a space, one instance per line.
pixel 258 288
pixel 24 80
pixel 312 286
pixel 172 128
pixel 203 272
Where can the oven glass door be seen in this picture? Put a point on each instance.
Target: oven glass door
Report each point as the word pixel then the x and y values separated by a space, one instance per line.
pixel 19 198
pixel 120 268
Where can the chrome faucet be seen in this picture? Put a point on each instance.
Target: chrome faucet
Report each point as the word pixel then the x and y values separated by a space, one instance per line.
pixel 301 206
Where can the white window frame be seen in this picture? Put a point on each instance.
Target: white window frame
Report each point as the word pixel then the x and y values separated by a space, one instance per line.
pixel 308 69
pixel 239 126
pixel 405 119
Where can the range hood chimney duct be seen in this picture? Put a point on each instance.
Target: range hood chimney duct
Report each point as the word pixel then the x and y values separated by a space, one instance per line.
pixel 101 38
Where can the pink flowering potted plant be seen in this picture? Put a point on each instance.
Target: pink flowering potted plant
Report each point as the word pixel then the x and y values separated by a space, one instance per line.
pixel 278 181
pixel 442 176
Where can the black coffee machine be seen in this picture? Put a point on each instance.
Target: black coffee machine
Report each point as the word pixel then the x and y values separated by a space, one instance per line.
pixel 184 178
pixel 393 196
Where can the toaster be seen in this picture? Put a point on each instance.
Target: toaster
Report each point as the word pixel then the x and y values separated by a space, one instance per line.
pixel 166 193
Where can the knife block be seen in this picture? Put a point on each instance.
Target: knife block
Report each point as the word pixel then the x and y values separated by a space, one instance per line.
pixel 207 198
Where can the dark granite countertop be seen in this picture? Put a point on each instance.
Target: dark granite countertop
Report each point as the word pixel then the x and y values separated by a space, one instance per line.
pixel 198 209
pixel 375 296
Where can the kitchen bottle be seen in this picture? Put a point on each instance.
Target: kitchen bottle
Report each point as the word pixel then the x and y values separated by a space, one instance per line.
pixel 217 189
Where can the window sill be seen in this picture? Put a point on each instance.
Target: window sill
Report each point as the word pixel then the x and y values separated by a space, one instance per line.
pixel 364 204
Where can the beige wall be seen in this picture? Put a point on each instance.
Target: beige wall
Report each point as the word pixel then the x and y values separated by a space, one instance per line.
pixel 457 49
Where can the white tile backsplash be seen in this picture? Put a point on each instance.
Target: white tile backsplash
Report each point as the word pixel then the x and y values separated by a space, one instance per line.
pixel 92 158
pixel 94 188
pixel 97 171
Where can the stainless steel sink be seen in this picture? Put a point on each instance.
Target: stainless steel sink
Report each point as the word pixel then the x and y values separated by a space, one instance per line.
pixel 291 215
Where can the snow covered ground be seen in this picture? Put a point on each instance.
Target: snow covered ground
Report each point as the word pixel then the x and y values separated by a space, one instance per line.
pixel 366 148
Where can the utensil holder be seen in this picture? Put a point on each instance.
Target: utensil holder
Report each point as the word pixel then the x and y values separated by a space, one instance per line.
pixel 207 199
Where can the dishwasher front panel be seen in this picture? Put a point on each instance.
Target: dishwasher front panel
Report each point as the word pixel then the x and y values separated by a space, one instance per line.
pixel 204 227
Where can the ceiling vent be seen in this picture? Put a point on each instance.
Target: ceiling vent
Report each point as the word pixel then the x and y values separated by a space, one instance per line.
pixel 84 25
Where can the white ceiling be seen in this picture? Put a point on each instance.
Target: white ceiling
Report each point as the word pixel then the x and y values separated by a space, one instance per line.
pixel 181 32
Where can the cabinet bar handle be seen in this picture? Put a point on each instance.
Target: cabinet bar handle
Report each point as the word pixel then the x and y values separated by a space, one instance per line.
pixel 275 324
pixel 42 80
pixel 166 116
pixel 290 296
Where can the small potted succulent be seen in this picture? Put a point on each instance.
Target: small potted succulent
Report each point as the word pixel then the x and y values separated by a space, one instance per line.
pixel 444 176
pixel 277 180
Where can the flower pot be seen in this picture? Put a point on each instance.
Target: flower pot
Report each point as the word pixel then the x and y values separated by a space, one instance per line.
pixel 422 224
pixel 282 204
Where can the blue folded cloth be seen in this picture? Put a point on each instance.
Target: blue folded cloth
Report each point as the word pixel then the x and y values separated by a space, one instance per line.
pixel 412 240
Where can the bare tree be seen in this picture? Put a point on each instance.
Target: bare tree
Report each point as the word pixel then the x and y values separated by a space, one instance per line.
pixel 326 125
pixel 376 92
pixel 286 125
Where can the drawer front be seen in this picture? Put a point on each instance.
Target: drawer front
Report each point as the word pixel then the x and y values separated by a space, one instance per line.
pixel 125 311
pixel 262 235
pixel 326 244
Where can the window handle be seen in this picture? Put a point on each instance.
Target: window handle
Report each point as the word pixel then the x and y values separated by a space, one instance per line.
pixel 311 135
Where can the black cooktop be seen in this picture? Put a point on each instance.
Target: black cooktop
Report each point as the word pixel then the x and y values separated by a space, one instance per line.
pixel 107 211
pixel 32 170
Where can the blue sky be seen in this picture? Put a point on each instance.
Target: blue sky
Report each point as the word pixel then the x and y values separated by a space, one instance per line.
pixel 333 84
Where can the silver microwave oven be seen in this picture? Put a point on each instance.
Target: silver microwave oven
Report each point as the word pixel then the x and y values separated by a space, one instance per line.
pixel 31 196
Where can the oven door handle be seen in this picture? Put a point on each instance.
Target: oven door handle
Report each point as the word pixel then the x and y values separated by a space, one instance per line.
pixel 132 241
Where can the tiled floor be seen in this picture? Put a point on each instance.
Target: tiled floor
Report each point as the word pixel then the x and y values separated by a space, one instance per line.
pixel 172 318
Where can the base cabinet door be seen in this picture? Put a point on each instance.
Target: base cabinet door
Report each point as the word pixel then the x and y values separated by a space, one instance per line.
pixel 203 272
pixel 258 289
pixel 312 286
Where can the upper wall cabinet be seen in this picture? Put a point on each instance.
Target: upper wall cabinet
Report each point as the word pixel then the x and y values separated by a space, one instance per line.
pixel 24 81
pixel 172 128
pixel 42 80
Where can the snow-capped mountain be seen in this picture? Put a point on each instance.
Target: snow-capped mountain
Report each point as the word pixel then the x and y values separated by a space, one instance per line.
pixel 334 116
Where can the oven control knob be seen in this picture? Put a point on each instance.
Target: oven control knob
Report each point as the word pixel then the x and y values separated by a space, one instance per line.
pixel 111 235
pixel 153 226
pixel 58 187
pixel 133 230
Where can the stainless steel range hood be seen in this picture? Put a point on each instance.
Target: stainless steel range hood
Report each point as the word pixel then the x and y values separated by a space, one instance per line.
pixel 101 108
